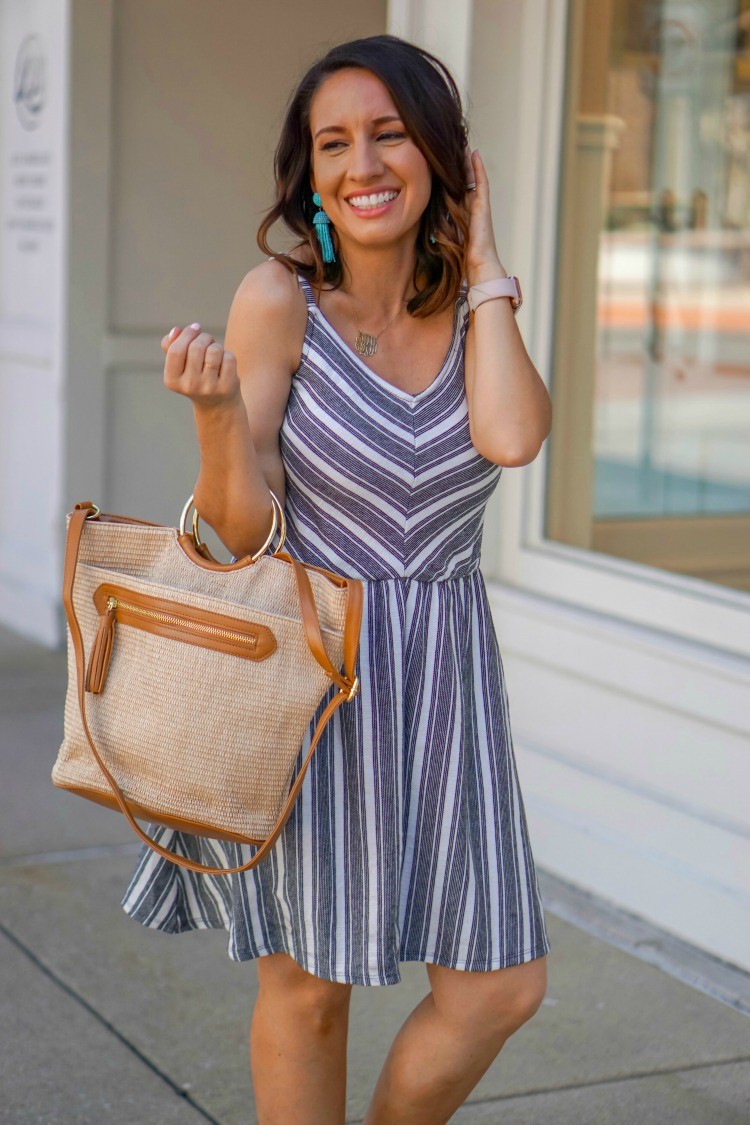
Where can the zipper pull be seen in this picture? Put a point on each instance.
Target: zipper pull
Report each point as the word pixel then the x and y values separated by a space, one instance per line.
pixel 101 649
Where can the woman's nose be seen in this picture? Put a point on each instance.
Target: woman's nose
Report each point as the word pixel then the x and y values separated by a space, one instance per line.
pixel 365 161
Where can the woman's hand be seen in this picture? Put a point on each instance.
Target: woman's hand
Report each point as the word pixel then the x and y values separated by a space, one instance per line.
pixel 189 352
pixel 482 260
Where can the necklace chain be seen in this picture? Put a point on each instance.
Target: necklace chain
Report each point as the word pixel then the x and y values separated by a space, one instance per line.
pixel 367 343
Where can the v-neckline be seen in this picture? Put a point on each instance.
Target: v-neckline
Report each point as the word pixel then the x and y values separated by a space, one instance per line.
pixel 373 375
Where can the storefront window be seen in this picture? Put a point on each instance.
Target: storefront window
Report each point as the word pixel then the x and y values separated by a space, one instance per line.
pixel 649 456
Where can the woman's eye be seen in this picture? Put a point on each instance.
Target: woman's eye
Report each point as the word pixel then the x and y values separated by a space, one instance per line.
pixel 381 136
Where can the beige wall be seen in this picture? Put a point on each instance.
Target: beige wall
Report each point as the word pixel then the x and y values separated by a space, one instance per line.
pixel 197 94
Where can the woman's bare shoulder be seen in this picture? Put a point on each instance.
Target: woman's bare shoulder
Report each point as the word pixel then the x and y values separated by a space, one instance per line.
pixel 269 309
pixel 272 288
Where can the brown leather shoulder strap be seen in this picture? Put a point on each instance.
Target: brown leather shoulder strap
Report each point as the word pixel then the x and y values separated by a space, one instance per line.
pixel 311 623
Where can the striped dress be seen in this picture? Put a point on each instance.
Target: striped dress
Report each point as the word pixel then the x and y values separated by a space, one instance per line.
pixel 409 841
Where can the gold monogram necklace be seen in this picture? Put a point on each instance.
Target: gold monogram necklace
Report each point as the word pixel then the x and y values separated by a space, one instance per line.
pixel 366 343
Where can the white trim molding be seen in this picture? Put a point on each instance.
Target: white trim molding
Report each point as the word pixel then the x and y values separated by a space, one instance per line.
pixel 443 29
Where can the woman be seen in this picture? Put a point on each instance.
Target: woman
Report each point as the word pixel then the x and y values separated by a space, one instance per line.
pixel 409 840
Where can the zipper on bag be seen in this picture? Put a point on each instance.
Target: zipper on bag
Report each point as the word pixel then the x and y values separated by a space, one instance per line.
pixel 173 619
pixel 254 641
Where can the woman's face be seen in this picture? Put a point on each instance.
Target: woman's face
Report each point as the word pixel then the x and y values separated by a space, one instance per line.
pixel 361 150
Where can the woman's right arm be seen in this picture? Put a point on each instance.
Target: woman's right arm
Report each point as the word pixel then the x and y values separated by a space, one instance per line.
pixel 239 408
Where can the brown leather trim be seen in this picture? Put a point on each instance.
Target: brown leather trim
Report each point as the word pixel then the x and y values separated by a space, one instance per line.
pixel 110 517
pixel 187 542
pixel 260 640
pixel 354 608
pixel 312 626
pixel 311 623
pixel 337 579
pixel 143 813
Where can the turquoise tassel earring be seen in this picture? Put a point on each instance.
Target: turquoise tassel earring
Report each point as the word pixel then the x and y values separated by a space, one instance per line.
pixel 322 224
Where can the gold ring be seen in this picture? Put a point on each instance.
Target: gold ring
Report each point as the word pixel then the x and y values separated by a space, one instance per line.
pixel 216 365
pixel 282 523
pixel 254 558
pixel 278 522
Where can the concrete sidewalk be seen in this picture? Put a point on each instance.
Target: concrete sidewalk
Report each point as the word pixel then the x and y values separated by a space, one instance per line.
pixel 104 1021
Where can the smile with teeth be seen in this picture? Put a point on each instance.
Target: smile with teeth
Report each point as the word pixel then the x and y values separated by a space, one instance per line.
pixel 370 202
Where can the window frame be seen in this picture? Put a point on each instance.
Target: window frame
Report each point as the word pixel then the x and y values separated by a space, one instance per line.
pixel 516 549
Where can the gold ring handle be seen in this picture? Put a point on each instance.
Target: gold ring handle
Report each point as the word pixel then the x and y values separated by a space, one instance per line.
pixel 278 522
pixel 282 523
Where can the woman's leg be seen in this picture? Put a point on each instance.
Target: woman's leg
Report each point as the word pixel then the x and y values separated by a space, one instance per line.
pixel 450 1040
pixel 298 1045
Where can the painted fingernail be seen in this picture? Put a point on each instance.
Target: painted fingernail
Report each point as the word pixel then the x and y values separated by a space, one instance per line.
pixel 196 325
pixel 171 334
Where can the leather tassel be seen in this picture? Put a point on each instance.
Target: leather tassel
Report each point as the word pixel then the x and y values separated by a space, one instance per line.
pixel 101 652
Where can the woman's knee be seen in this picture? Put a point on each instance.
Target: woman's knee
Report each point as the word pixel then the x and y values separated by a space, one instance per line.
pixel 322 1004
pixel 528 995
pixel 500 1000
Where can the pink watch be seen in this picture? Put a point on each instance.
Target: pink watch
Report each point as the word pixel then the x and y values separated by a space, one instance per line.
pixel 498 287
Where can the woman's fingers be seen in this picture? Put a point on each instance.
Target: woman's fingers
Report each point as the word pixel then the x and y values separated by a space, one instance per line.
pixel 178 352
pixel 470 178
pixel 167 340
pixel 482 247
pixel 480 170
pixel 196 352
pixel 175 333
pixel 198 366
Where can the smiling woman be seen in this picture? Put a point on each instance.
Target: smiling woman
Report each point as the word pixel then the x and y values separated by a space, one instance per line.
pixel 409 839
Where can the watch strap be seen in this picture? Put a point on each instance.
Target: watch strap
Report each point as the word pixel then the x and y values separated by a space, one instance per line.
pixel 498 287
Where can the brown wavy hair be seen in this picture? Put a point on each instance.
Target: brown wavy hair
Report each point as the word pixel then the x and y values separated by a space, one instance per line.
pixel 429 104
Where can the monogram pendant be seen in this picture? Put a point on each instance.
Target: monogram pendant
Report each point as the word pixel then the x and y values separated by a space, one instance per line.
pixel 366 344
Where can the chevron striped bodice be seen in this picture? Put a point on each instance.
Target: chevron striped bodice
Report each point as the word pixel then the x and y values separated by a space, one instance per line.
pixel 382 484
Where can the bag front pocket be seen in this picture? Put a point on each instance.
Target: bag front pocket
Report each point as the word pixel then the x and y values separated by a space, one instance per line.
pixel 117 605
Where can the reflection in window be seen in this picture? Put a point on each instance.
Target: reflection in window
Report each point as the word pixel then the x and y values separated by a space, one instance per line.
pixel 652 363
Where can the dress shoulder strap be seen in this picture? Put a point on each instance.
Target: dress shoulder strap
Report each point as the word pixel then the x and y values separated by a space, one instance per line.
pixel 308 291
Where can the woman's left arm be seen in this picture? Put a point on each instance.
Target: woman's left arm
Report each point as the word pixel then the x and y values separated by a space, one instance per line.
pixel 510 411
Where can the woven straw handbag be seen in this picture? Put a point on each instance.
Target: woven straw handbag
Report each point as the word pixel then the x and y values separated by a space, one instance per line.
pixel 192 683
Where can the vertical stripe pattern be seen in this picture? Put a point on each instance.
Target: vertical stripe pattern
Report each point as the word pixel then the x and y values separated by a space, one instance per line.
pixel 409 840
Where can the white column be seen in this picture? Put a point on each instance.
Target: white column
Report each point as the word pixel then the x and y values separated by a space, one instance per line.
pixel 442 28
pixel 33 123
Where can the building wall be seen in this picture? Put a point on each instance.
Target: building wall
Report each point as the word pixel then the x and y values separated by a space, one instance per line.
pixel 163 117
pixel 196 107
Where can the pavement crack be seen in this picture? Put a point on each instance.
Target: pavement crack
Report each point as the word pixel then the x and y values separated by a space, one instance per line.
pixel 83 1003
pixel 634 1076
